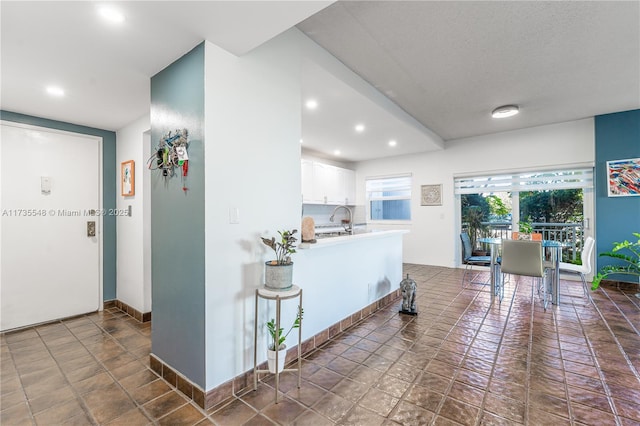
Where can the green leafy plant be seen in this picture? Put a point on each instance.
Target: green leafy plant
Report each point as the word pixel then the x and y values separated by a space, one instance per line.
pixel 277 335
pixel 283 248
pixel 630 262
pixel 474 217
pixel 497 206
pixel 525 226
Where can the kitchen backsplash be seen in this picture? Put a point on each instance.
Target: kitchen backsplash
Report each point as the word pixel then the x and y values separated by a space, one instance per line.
pixel 322 212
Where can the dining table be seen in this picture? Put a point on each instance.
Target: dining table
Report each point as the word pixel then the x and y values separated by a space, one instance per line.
pixel 555 249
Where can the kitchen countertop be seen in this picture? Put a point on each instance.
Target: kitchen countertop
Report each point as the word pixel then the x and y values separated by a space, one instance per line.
pixel 361 234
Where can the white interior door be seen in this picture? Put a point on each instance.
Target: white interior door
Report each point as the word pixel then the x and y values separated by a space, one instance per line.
pixel 50 265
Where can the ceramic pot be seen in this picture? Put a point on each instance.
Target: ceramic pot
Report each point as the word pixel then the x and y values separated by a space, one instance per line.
pixel 271 359
pixel 278 277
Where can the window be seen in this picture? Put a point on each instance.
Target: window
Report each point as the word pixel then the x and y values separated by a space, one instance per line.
pixel 389 198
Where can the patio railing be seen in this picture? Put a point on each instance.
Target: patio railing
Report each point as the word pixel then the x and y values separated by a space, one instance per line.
pixel 570 233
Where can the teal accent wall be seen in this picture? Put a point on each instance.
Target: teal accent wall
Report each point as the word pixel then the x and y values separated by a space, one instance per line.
pixel 617 138
pixel 177 222
pixel 108 188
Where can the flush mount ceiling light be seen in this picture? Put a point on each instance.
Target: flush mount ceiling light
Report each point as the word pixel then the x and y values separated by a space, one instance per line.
pixel 311 104
pixel 55 91
pixel 336 152
pixel 359 128
pixel 505 111
pixel 393 143
pixel 112 15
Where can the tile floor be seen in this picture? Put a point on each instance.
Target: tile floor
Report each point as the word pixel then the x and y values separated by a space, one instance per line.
pixel 462 360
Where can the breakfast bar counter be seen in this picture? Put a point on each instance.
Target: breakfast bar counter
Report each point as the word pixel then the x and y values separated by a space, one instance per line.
pixel 342 275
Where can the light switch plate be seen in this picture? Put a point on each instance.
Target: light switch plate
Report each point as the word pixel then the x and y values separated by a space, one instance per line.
pixel 45 185
pixel 234 215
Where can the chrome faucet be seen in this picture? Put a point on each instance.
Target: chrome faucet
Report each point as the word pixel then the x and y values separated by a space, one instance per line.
pixel 350 229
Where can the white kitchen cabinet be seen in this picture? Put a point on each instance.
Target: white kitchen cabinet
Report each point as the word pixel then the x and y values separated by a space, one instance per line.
pixel 321 182
pixel 349 184
pixel 307 181
pixel 327 184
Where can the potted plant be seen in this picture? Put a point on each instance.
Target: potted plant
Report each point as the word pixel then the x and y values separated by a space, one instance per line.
pixel 525 231
pixel 279 272
pixel 630 262
pixel 475 217
pixel 277 342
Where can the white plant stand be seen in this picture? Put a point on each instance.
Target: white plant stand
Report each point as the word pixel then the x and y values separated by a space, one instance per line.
pixel 278 296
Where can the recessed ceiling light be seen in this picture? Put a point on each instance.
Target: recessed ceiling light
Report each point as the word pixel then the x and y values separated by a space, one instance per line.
pixel 359 128
pixel 505 111
pixel 336 152
pixel 55 91
pixel 393 143
pixel 300 140
pixel 111 15
pixel 311 104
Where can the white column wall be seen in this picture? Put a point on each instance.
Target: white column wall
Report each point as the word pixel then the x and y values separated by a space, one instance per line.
pixel 252 156
pixel 130 276
pixel 433 239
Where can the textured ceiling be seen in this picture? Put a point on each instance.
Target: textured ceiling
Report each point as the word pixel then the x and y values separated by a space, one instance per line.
pixel 450 63
pixel 447 64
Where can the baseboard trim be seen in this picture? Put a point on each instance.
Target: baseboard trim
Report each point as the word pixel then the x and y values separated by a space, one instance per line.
pixel 224 392
pixel 132 312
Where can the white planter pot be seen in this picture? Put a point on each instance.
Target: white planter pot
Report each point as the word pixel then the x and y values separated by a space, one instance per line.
pixel 271 359
pixel 278 277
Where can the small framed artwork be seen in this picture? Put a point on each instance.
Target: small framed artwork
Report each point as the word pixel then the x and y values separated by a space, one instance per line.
pixel 623 177
pixel 127 178
pixel 431 195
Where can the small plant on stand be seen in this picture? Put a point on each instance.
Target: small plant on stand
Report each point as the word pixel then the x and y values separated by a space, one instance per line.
pixel 279 272
pixel 283 248
pixel 277 336
pixel 277 342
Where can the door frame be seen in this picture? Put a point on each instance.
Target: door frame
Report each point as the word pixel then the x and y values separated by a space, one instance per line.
pixel 99 229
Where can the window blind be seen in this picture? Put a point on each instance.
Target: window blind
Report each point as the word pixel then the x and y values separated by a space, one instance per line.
pixel 529 181
pixel 389 188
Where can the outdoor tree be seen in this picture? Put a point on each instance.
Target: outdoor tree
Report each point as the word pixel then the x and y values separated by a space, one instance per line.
pixel 556 206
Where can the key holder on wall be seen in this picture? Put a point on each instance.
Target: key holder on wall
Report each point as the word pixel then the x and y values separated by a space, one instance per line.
pixel 171 155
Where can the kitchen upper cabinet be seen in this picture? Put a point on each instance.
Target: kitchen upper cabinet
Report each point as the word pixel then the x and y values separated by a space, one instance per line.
pixel 307 181
pixel 326 184
pixel 348 182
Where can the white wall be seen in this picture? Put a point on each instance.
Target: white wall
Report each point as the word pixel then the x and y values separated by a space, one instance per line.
pixel 433 239
pixel 252 156
pixel 131 246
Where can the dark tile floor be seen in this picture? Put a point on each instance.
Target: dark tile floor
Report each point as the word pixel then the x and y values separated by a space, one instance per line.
pixel 462 360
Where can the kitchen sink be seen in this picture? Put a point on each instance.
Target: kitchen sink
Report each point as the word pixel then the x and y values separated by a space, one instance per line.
pixel 332 234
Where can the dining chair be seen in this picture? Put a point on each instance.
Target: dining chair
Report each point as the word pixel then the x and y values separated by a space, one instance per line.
pixel 522 257
pixel 468 259
pixel 585 268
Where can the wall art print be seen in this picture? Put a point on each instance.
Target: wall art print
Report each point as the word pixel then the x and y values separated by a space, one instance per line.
pixel 623 177
pixel 127 178
pixel 431 195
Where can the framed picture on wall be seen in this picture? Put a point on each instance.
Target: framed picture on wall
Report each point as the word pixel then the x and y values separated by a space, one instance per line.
pixel 623 177
pixel 431 195
pixel 127 178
